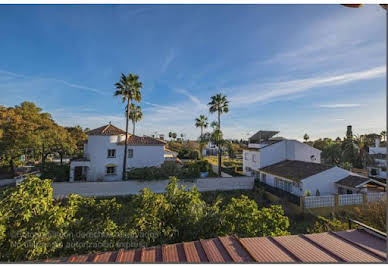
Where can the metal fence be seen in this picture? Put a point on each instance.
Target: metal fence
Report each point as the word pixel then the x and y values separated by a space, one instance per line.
pixel 341 200
pixel 350 199
pixel 375 196
pixel 319 201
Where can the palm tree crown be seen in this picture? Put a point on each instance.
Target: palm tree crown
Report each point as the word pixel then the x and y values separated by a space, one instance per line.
pixel 135 115
pixel 129 88
pixel 219 104
pixel 201 121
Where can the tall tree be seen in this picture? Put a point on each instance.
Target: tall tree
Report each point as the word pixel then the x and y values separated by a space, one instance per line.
pixel 219 104
pixel 129 89
pixel 306 137
pixel 201 122
pixel 135 115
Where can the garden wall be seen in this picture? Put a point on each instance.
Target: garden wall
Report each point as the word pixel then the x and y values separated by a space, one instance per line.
pixel 100 189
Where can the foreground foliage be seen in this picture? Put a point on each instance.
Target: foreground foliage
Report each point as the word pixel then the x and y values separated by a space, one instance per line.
pixel 35 226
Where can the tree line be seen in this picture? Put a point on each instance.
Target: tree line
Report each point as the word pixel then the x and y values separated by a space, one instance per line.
pixel 350 152
pixel 26 130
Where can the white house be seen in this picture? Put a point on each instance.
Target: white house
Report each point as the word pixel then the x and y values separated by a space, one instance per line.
pixel 104 151
pixel 210 149
pixel 296 167
pixel 379 154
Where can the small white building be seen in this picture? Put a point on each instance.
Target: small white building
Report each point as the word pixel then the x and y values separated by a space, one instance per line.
pixel 296 167
pixel 210 149
pixel 104 151
pixel 379 154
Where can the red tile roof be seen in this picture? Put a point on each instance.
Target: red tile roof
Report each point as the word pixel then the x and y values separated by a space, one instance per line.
pixel 107 130
pixel 347 246
pixel 136 140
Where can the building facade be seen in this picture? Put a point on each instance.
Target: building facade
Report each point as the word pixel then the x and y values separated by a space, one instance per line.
pixel 296 167
pixel 104 152
pixel 379 167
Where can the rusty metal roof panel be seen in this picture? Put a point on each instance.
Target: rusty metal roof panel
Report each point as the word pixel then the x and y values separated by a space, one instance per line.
pixel 362 238
pixel 170 253
pixel 346 246
pixel 125 255
pixel 262 249
pixel 304 250
pixel 344 250
pixel 104 257
pixel 191 252
pixel 78 258
pixel 214 250
pixel 235 250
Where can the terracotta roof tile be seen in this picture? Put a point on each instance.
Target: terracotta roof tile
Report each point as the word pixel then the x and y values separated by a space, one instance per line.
pixel 347 246
pixel 295 170
pixel 107 130
pixel 136 140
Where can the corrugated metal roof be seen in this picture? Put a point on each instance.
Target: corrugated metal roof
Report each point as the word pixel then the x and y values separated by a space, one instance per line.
pixel 345 246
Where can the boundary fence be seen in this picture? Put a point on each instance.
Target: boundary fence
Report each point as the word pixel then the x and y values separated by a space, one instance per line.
pixel 341 200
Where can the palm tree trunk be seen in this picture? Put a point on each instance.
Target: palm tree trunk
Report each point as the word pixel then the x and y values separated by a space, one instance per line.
pixel 219 145
pixel 126 140
pixel 200 142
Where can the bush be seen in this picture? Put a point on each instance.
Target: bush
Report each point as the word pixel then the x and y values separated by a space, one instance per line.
pixel 242 217
pixel 323 224
pixel 34 224
pixel 58 173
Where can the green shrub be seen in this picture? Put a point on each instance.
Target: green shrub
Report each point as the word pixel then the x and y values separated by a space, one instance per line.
pixel 34 224
pixel 58 173
pixel 242 217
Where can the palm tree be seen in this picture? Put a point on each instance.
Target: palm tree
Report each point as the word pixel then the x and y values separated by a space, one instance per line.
pixel 129 89
pixel 383 134
pixel 202 123
pixel 135 115
pixel 219 105
pixel 306 137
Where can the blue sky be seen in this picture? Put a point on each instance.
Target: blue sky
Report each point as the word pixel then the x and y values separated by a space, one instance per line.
pixel 294 68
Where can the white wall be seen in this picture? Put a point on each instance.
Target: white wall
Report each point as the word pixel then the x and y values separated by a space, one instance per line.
pixel 98 154
pixel 302 152
pixel 325 181
pixel 144 156
pixel 280 151
pixel 63 189
pixel 272 154
pixel 248 162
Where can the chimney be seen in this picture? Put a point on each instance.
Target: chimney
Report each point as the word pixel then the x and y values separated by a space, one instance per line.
pixel 377 142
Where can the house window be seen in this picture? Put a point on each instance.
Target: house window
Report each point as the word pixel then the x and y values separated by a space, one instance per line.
pixel 130 153
pixel 111 153
pixel 264 178
pixel 253 158
pixel 246 156
pixel 111 170
pixel 283 184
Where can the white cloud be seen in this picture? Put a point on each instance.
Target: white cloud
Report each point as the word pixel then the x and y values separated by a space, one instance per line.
pixel 276 90
pixel 340 105
pixel 11 76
